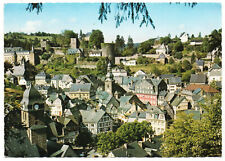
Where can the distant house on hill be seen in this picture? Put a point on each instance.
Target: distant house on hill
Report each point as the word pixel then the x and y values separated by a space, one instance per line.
pixel 200 65
pixel 162 49
pixel 184 37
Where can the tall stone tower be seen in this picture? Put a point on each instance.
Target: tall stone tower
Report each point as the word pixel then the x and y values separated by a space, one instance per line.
pixel 73 43
pixel 109 80
pixel 32 115
pixel 108 51
pixel 32 56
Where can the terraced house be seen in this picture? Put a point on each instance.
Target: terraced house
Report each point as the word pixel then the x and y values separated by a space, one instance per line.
pixel 148 90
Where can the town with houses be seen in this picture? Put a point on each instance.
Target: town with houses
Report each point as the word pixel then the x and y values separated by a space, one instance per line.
pixel 61 116
pixel 74 95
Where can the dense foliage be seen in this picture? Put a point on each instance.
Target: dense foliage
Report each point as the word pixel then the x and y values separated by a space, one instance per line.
pixel 127 133
pixel 187 137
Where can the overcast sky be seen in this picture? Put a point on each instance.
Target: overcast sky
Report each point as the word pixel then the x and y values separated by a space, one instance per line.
pixel 168 19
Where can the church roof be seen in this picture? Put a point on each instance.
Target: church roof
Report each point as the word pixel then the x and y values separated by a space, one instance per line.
pixel 31 96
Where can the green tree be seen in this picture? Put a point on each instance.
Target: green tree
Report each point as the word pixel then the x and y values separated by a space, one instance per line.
pixel 178 55
pixel 193 57
pixel 119 44
pixel 145 46
pixel 215 40
pixel 7 66
pixel 187 137
pixel 130 43
pixel 101 66
pixel 186 65
pixel 165 40
pixel 186 76
pixel 178 46
pixel 96 39
pixel 84 139
pixel 106 142
pixel 129 51
pixel 155 70
pixel 134 131
pixel 171 60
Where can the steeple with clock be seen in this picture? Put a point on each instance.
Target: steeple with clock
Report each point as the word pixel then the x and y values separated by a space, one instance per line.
pixel 32 116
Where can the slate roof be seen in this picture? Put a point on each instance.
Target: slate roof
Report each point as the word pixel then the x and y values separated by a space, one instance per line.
pixel 177 100
pixel 200 62
pixel 216 66
pixel 174 81
pixel 197 91
pixel 169 96
pixel 166 76
pixel 75 87
pixel 133 150
pixel 41 87
pixel 31 96
pixel 153 109
pixel 63 151
pixel 74 51
pixel 63 77
pixel 41 74
pixel 215 73
pixel 140 114
pixel 91 116
pixel 198 78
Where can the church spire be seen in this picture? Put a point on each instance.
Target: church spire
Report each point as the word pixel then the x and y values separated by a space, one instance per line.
pixel 109 75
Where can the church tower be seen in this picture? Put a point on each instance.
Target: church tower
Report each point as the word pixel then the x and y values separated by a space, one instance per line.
pixel 32 115
pixel 32 56
pixel 109 80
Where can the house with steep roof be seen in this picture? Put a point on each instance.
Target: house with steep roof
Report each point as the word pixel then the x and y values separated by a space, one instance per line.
pixel 42 78
pixel 184 37
pixel 64 151
pixel 198 79
pixel 128 83
pixel 56 104
pixel 62 81
pixel 110 103
pixel 139 73
pixel 200 64
pixel 152 114
pixel 205 89
pixel 96 121
pixel 128 105
pixel 45 90
pixel 162 49
pixel 80 90
pixel 215 74
pixel 174 84
pixel 180 103
pixel 157 118
pixel 20 72
pixel 129 150
pixel 162 59
pixel 117 72
pixel 148 90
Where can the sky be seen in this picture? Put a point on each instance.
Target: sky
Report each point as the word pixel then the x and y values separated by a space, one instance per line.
pixel 168 18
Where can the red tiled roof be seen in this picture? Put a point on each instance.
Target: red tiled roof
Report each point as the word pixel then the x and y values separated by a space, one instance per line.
pixel 206 88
